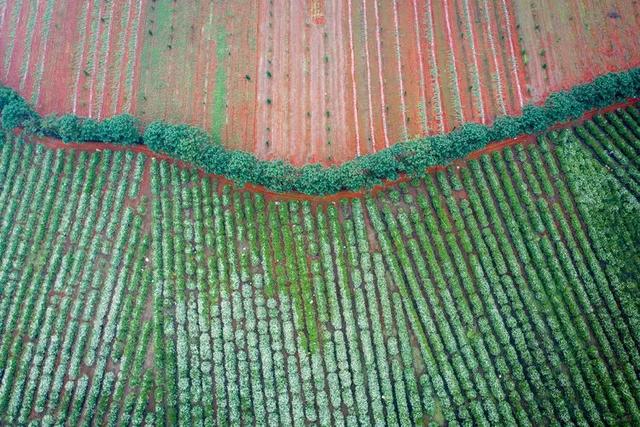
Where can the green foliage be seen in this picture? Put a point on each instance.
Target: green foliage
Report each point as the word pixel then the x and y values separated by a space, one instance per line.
pixel 534 119
pixel 562 106
pixel 502 291
pixel 120 129
pixel 505 127
pixel 68 128
pixel 7 96
pixel 18 113
pixel 193 145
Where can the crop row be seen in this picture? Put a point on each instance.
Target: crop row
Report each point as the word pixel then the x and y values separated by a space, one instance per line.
pixel 495 292
pixel 67 259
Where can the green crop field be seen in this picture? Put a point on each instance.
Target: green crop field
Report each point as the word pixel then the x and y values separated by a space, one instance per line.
pixel 501 290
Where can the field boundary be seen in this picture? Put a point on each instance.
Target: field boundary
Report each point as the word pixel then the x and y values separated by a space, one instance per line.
pixel 413 158
pixel 57 144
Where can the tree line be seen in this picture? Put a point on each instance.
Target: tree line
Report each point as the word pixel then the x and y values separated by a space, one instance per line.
pixel 413 157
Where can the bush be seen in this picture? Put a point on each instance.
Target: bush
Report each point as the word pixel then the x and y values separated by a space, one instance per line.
pixel 89 130
pixel 468 137
pixel 534 119
pixel 561 106
pixel 7 96
pixel 121 129
pixel 69 128
pixel 505 127
pixel 17 114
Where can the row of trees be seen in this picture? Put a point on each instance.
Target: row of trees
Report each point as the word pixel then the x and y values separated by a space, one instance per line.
pixel 195 146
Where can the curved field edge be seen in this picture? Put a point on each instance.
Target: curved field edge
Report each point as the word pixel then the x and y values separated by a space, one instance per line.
pixel 193 145
pixel 502 290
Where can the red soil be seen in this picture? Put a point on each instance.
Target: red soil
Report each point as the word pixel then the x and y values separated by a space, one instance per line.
pixel 320 80
pixel 569 45
pixel 26 79
pixel 58 79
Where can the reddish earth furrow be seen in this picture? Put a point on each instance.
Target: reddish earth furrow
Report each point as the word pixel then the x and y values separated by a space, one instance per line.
pixel 516 53
pixel 381 80
pixel 56 86
pixel 118 85
pixel 382 32
pixel 463 63
pixel 411 57
pixel 12 72
pixel 44 51
pixel 487 105
pixel 364 88
pixel 262 141
pixel 97 63
pixel 86 66
pixel 286 62
pixel 401 70
pixel 209 70
pixel 509 64
pixel 186 42
pixel 200 61
pixel 203 52
pixel 87 90
pixel 500 80
pixel 130 99
pixel 318 76
pixel 277 106
pixel 9 22
pixel 374 87
pixel 241 91
pixel 341 145
pixel 465 36
pixel 343 103
pixel 32 54
pixel 171 110
pixel 102 90
pixel 446 80
pixel 297 74
pixel 334 143
pixel 433 95
pixel 502 56
pixel 393 99
pixel 353 121
pixel 5 21
pixel 307 101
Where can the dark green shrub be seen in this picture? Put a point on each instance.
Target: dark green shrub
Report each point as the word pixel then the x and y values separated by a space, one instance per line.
pixel 153 136
pixel 313 179
pixel 468 137
pixel 89 130
pixel 69 128
pixel 505 127
pixel 534 119
pixel 351 176
pixel 17 114
pixel 562 106
pixel 121 129
pixel 215 159
pixel 7 96
pixel 242 167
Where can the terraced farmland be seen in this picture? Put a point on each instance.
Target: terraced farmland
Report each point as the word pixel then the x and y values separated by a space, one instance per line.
pixel 309 81
pixel 501 290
